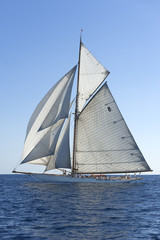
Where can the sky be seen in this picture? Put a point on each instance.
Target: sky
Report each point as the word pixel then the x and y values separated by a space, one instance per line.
pixel 39 43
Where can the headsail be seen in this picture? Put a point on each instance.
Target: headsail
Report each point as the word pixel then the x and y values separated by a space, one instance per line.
pixel 104 143
pixel 46 122
pixel 45 143
pixel 91 75
pixel 61 158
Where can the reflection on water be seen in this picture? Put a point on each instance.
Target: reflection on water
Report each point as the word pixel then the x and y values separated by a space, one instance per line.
pixel 80 211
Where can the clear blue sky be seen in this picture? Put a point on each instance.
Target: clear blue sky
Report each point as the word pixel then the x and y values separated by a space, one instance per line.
pixel 39 42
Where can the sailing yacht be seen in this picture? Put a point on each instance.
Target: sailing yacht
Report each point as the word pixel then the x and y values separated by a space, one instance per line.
pixel 102 142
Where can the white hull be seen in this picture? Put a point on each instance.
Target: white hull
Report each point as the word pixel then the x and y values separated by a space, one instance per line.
pixel 69 179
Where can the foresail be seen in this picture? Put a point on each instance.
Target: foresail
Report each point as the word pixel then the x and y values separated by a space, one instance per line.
pixel 48 109
pixel 43 143
pixel 42 160
pixel 62 153
pixel 104 143
pixel 91 75
pixel 46 122
pixel 61 158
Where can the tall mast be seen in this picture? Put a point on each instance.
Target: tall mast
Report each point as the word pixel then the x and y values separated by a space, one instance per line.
pixel 76 112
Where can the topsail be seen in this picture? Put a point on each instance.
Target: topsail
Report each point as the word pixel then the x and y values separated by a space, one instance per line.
pixel 91 75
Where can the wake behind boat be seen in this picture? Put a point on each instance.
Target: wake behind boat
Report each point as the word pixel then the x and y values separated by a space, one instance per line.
pixel 102 142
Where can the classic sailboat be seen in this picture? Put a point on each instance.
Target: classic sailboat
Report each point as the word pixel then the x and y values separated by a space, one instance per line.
pixel 102 142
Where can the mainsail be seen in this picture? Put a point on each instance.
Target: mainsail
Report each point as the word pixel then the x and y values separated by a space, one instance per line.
pixel 104 143
pixel 47 121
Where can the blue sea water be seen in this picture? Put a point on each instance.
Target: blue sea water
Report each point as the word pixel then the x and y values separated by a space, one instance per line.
pixel 34 210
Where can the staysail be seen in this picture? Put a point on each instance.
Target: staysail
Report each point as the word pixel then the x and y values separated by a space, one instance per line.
pixel 61 158
pixel 104 143
pixel 46 122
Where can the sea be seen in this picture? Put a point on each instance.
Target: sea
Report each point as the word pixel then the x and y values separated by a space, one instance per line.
pixel 44 211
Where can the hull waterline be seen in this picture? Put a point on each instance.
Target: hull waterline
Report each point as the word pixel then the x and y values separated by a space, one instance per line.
pixel 69 179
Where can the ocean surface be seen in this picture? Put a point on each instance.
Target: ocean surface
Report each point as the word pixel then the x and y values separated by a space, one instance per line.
pixel 34 210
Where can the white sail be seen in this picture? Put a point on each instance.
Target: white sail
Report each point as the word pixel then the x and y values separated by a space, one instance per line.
pixel 104 143
pixel 51 111
pixel 42 160
pixel 44 143
pixel 91 75
pixel 61 158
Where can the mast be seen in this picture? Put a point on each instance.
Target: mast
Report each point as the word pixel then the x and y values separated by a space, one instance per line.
pixel 76 112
